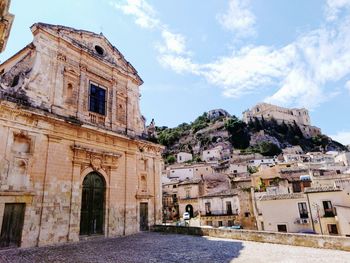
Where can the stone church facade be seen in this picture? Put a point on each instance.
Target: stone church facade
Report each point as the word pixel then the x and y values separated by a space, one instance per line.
pixel 73 161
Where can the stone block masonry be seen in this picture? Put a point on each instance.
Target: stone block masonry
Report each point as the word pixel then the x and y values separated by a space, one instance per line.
pixel 315 241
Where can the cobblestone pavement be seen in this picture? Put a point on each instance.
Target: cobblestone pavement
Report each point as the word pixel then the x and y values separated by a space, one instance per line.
pixel 157 247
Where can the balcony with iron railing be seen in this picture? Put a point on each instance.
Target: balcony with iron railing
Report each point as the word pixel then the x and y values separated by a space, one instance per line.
pixel 329 212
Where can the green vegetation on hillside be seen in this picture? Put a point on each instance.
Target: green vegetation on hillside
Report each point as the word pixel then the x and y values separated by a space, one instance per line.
pixel 239 134
pixel 199 133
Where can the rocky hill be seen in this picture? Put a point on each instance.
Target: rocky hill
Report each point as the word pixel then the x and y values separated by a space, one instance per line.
pixel 259 136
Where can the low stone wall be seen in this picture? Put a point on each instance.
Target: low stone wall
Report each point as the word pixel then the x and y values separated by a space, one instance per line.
pixel 316 241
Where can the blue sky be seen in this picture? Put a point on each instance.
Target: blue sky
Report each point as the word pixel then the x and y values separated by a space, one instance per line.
pixel 199 55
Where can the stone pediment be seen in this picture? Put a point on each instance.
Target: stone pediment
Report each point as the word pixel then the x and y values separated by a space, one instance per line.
pixel 97 45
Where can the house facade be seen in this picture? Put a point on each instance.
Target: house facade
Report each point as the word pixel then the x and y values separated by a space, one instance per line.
pixel 219 209
pixel 323 210
pixel 73 161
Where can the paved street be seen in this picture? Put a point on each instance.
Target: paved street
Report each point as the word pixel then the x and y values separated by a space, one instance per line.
pixel 157 247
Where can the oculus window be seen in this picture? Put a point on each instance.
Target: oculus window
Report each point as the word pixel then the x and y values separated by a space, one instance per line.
pixel 97 99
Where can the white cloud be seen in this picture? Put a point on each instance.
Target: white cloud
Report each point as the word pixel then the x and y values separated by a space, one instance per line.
pixel 334 7
pixel 322 57
pixel 342 137
pixel 301 72
pixel 143 12
pixel 173 42
pixel 179 64
pixel 248 69
pixel 145 16
pixel 238 18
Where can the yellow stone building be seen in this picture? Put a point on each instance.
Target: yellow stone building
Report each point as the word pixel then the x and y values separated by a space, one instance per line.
pixel 73 161
pixel 6 20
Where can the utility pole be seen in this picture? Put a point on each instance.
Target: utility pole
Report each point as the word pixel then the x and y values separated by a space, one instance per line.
pixel 318 215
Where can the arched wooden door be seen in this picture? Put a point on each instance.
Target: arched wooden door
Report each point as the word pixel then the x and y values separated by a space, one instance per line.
pixel 92 204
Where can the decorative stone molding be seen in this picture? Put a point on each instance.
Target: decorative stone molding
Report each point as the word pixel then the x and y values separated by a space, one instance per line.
pixel 142 195
pixel 95 159
pixel 61 57
pixel 147 147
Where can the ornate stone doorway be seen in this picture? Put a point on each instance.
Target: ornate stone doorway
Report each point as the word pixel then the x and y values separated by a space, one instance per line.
pixel 92 204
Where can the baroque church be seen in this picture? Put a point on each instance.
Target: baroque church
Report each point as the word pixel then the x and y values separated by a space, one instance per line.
pixel 74 157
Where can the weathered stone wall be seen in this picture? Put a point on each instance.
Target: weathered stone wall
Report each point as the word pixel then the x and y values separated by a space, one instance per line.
pixel 55 158
pixel 316 241
pixel 6 20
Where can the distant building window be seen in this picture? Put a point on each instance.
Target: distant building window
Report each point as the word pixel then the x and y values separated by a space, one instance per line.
pixel 332 229
pixel 296 187
pixel 228 208
pixel 220 223
pixel 282 228
pixel 247 214
pixel 328 209
pixel 207 208
pixel 97 99
pixel 174 186
pixel 303 210
pixel 188 193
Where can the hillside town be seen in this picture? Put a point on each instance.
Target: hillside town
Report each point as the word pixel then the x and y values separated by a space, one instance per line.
pixel 85 177
pixel 295 191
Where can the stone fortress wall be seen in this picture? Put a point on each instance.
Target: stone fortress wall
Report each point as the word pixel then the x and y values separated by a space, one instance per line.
pixel 280 114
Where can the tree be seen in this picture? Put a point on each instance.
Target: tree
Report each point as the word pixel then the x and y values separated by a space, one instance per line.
pixel 170 159
pixel 269 149
pixel 239 136
pixel 321 140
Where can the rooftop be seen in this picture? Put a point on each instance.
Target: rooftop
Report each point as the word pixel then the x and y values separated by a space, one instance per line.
pixel 319 189
pixel 228 192
pixel 282 196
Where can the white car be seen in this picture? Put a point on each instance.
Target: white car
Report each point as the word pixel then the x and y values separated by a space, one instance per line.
pixel 186 216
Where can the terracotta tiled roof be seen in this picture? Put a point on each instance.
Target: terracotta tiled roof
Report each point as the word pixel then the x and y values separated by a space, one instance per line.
pixel 227 192
pixel 282 196
pixel 318 189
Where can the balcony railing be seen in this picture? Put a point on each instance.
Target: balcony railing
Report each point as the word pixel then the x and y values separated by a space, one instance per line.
pixel 217 213
pixel 96 118
pixel 304 215
pixel 329 212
